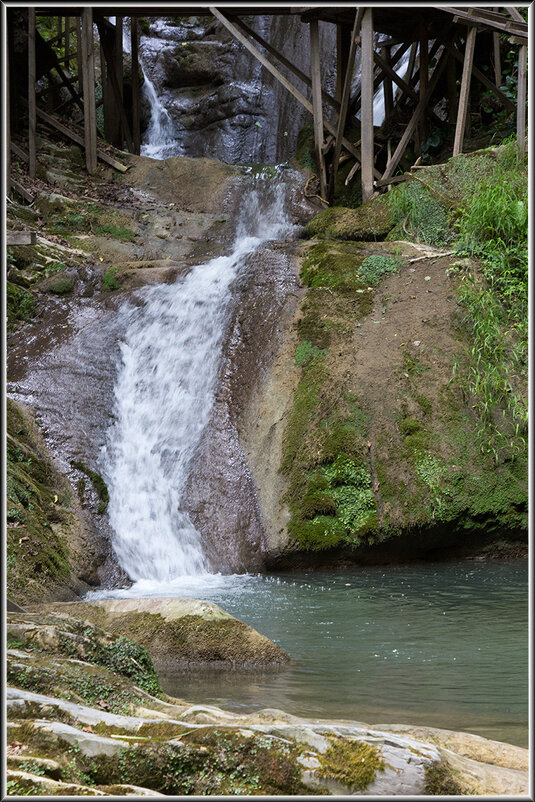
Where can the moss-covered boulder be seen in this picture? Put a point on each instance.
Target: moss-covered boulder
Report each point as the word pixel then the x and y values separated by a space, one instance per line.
pixel 182 631
pixel 371 221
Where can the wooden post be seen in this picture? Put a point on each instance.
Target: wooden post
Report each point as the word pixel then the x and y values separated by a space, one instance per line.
pixel 317 105
pixel 32 117
pixel 344 105
pixel 343 47
pixel 118 65
pixel 465 90
pixel 388 93
pixel 366 105
pixel 67 50
pixel 134 47
pixel 424 74
pixel 88 78
pixel 413 122
pixel 451 76
pixel 521 98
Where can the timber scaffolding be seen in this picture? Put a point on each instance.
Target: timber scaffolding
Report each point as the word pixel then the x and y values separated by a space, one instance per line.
pixel 440 42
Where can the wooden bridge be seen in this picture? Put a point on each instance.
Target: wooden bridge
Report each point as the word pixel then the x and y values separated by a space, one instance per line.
pixel 440 42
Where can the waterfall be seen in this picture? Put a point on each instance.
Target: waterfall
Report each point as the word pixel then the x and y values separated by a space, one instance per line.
pixel 169 360
pixel 159 134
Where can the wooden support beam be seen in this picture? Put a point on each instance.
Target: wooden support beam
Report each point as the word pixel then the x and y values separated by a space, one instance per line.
pixel 344 105
pixel 451 78
pixel 279 76
pixel 9 143
pixel 388 91
pixel 465 90
pixel 22 191
pixel 118 70
pixel 19 153
pixel 32 120
pixel 481 77
pixel 136 116
pixel 88 79
pixel 79 139
pixel 419 110
pixel 424 74
pixel 343 46
pixel 109 49
pixel 366 105
pixel 514 13
pixel 521 98
pixel 67 47
pixel 497 57
pixel 317 106
pixel 21 238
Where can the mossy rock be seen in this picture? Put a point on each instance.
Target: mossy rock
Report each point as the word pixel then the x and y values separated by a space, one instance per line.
pixel 371 221
pixel 182 631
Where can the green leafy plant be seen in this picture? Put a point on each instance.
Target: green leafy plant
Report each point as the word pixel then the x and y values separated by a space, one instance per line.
pixel 375 266
pixel 305 351
pixel 109 280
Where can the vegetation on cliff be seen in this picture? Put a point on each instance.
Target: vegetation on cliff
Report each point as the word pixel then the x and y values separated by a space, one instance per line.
pixel 442 446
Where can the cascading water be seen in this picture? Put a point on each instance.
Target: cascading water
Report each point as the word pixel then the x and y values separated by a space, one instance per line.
pixel 170 355
pixel 159 136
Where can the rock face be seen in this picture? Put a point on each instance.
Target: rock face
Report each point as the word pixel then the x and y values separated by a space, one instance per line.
pixel 363 444
pixel 222 103
pixel 182 631
pixel 69 733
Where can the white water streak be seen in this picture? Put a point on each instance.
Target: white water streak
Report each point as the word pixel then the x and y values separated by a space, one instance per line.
pixel 170 356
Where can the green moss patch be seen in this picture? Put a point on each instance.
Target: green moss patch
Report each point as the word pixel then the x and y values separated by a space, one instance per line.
pixel 98 483
pixel 370 222
pixel 353 763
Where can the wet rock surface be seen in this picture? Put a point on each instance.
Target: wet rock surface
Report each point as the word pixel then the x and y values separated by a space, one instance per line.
pixel 64 742
pixel 222 103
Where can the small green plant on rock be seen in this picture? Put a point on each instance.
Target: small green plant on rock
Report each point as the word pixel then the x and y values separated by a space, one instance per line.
pixel 305 351
pixel 109 280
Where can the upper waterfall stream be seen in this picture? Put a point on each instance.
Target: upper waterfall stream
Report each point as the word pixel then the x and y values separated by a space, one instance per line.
pixel 169 360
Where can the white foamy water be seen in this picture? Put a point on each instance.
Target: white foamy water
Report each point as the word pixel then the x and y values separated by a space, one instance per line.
pixel 169 360
pixel 159 135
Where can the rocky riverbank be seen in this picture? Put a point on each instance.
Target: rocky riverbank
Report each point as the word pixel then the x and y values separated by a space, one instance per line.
pixel 87 716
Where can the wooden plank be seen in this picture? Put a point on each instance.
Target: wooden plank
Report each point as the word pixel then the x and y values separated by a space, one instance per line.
pixel 136 116
pixel 490 19
pixel 366 105
pixel 345 97
pixel 464 95
pixel 393 76
pixel 22 191
pixel 19 153
pixel 521 98
pixel 79 139
pixel 280 77
pixel 397 179
pixel 413 122
pixel 32 120
pixel 317 106
pixel 8 118
pixel 21 238
pixel 481 77
pixel 497 57
pixel 88 78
